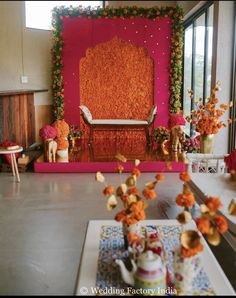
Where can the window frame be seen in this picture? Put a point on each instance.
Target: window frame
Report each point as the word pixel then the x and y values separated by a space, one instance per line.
pixel 232 112
pixel 187 23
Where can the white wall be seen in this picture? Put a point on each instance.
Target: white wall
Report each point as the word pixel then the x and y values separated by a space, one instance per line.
pixel 23 51
pixel 188 5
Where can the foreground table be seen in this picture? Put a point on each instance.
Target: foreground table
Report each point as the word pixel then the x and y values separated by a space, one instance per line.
pixel 13 160
pixel 98 268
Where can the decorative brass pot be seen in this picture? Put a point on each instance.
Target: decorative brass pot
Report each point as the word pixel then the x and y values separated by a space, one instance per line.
pixel 207 144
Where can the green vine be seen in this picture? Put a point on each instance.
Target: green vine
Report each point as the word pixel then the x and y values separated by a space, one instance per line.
pixel 61 12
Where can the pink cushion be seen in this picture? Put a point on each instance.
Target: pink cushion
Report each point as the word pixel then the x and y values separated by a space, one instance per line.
pixel 8 156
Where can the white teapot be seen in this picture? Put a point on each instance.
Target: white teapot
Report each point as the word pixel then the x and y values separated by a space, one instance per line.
pixel 148 274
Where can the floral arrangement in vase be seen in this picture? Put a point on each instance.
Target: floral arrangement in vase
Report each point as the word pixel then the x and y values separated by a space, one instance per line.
pixel 133 200
pixel 161 135
pixel 192 145
pixel 62 129
pixel 210 224
pixel 74 134
pixel 47 132
pixel 205 118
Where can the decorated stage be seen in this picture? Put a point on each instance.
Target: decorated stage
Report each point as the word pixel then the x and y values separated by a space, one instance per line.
pixel 118 63
pixel 102 157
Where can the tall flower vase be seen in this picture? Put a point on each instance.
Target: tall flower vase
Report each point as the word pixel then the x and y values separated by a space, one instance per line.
pixel 185 270
pixel 134 229
pixel 207 143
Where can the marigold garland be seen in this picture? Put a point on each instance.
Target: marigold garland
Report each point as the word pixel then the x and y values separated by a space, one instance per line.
pixel 221 223
pixel 213 203
pixel 185 200
pixel 174 12
pixel 190 252
pixel 203 225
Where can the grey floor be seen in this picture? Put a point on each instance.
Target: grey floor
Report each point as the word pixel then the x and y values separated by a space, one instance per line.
pixel 43 223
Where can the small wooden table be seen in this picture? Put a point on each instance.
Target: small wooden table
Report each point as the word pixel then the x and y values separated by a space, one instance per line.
pixel 13 160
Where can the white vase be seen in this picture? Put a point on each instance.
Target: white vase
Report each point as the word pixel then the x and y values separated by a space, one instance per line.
pixel 134 229
pixel 185 270
pixel 62 155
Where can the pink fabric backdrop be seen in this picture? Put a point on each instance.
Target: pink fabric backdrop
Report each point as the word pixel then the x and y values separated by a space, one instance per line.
pixel 81 33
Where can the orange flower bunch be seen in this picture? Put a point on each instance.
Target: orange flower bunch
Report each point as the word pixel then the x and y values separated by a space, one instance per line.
pixel 133 214
pixel 184 176
pixel 213 203
pixel 63 130
pixel 128 193
pixel 185 200
pixel 190 252
pixel 209 223
pixel 205 117
pixel 62 143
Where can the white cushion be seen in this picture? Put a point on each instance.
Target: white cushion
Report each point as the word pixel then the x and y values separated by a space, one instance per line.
pixel 119 122
pixel 152 113
pixel 87 113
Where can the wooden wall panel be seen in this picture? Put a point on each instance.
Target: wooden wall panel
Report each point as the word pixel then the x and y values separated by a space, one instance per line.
pixel 17 114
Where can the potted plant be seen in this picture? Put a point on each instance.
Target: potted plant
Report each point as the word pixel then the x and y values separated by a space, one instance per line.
pixel 74 135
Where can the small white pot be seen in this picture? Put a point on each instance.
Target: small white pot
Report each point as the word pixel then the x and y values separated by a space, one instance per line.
pixel 62 155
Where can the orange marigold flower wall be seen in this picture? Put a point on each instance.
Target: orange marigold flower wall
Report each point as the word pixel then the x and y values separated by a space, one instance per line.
pixel 116 81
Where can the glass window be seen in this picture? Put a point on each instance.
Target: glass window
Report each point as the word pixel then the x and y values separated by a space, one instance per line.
pixel 188 46
pixel 38 14
pixel 199 55
pixel 198 42
pixel 209 50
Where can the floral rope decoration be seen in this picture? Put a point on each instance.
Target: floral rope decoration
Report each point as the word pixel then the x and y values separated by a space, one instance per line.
pixel 61 12
pixel 133 199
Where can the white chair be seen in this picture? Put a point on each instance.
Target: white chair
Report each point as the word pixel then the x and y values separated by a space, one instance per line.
pixel 206 163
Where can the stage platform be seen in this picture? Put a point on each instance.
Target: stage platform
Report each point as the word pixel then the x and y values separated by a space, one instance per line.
pixel 101 157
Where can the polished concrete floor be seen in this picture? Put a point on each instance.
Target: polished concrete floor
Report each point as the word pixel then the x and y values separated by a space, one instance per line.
pixel 43 223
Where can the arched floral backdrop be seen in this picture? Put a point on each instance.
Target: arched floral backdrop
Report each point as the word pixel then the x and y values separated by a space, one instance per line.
pixel 116 80
pixel 158 30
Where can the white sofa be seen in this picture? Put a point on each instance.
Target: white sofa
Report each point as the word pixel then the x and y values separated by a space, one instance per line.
pixel 117 124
